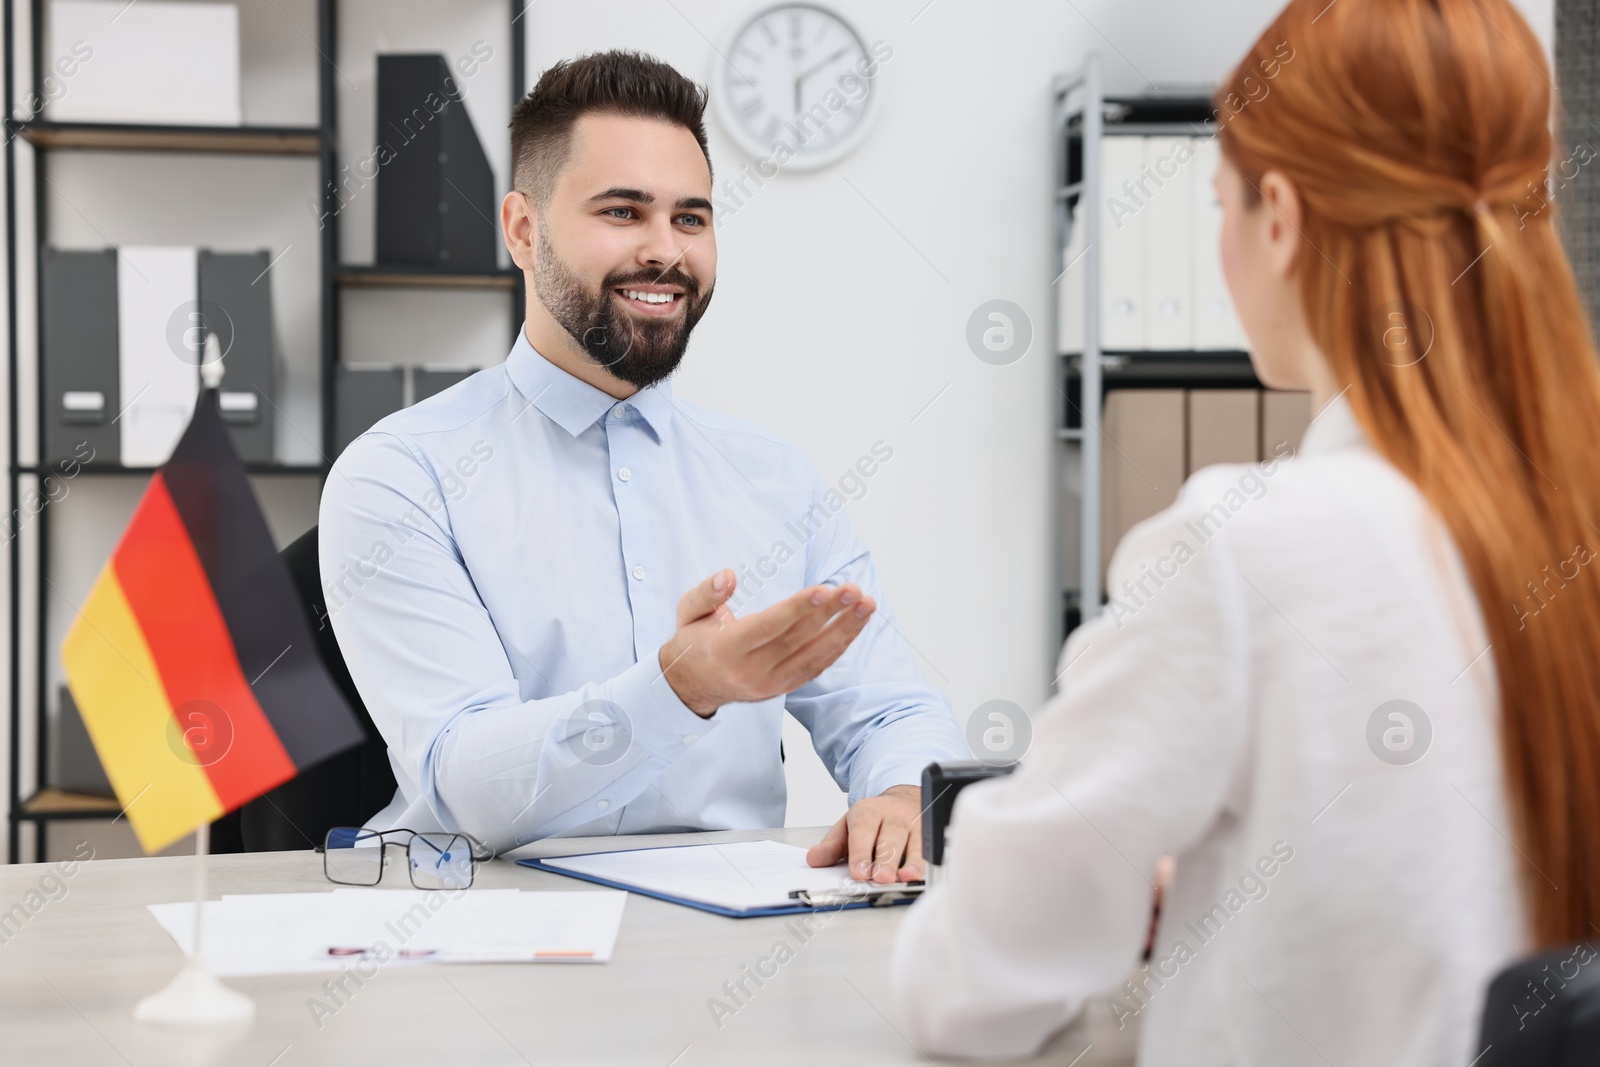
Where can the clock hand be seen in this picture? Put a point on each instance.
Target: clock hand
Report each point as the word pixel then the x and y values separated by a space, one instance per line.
pixel 803 75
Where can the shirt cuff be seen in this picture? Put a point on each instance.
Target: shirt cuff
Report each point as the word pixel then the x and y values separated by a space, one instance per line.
pixel 892 773
pixel 661 724
pixel 898 753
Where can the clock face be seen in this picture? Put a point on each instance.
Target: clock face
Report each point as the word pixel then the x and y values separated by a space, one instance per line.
pixel 797 84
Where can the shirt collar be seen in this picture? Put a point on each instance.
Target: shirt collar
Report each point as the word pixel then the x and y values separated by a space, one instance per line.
pixel 574 404
pixel 1335 426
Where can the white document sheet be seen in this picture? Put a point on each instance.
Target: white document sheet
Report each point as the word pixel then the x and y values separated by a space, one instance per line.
pixel 740 876
pixel 288 933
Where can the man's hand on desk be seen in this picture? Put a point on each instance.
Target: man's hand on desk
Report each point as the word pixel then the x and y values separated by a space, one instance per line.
pixel 717 658
pixel 881 836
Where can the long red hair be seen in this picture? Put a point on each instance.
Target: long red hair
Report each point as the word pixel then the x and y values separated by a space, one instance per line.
pixel 1418 135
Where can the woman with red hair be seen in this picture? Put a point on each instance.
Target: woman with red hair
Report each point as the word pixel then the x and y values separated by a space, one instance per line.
pixel 1357 695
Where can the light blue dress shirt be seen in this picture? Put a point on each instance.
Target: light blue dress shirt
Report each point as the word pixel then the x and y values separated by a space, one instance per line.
pixel 502 563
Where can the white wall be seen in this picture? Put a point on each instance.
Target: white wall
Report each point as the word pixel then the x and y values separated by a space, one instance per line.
pixel 843 296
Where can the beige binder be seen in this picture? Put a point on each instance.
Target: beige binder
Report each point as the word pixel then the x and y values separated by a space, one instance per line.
pixel 1143 464
pixel 1224 427
pixel 1284 418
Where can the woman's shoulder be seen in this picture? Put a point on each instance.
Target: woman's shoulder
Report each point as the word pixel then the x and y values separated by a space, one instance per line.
pixel 1294 490
pixel 1326 509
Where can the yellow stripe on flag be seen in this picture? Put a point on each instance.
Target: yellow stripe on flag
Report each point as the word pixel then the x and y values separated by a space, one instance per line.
pixel 126 711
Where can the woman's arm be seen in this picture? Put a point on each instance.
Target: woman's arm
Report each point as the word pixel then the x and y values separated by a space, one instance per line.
pixel 1048 884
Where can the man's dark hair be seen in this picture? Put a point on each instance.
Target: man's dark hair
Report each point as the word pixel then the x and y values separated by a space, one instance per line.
pixel 623 83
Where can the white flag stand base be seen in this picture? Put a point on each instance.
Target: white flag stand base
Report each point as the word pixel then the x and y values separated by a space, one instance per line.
pixel 195 997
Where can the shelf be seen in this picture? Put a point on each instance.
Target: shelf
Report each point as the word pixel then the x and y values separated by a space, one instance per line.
pixel 399 277
pixel 1069 435
pixel 315 145
pixel 114 136
pixel 1142 110
pixel 1173 370
pixel 1139 114
pixel 54 803
pixel 304 469
pixel 1160 129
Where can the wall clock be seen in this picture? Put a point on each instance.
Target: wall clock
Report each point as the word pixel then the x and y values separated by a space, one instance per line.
pixel 797 86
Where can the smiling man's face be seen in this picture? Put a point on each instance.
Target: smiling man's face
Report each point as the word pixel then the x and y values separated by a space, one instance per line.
pixel 626 258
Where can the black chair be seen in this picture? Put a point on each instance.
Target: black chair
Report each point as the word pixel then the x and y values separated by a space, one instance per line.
pixel 1544 1011
pixel 345 790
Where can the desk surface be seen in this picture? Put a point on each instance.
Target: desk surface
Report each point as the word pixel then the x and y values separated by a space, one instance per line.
pixel 70 977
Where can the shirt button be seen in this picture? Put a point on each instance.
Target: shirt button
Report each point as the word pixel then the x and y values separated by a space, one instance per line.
pixel 624 473
pixel 618 411
pixel 688 739
pixel 602 804
pixel 638 573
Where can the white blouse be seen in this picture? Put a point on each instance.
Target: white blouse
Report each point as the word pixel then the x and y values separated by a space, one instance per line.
pixel 1345 882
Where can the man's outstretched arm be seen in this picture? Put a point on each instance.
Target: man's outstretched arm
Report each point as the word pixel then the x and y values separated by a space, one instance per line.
pixel 875 721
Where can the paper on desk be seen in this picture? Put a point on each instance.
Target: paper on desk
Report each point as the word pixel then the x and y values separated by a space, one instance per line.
pixel 740 876
pixel 288 933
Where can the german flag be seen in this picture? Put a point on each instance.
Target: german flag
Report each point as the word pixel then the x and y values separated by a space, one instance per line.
pixel 191 662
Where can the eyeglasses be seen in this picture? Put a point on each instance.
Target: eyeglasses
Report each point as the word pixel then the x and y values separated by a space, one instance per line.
pixel 355 855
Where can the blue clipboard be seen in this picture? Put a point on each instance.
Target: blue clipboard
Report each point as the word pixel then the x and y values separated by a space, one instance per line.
pixel 889 896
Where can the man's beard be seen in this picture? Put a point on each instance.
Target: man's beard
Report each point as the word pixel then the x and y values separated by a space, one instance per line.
pixel 638 350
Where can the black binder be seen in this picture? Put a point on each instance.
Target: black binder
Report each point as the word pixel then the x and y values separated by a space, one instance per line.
pixel 427 381
pixel 236 300
pixel 365 394
pixel 77 765
pixel 81 372
pixel 436 202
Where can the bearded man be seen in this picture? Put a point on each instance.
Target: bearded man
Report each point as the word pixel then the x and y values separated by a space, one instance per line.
pixel 532 575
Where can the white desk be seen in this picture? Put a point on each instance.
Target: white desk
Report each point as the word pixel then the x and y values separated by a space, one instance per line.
pixel 70 978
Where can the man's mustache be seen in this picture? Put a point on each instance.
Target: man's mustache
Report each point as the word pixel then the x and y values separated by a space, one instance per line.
pixel 673 276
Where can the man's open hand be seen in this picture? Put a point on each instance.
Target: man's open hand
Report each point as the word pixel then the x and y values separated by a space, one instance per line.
pixel 717 658
pixel 881 836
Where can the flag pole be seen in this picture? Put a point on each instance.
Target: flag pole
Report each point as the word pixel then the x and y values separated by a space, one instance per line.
pixel 195 997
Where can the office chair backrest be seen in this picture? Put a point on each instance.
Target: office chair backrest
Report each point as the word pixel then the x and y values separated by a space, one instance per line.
pixel 343 791
pixel 1544 1011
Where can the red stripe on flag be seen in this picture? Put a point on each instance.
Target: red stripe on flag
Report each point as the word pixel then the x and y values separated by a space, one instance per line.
pixel 218 722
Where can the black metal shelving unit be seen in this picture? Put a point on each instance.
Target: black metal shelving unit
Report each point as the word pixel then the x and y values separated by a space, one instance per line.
pixel 46 804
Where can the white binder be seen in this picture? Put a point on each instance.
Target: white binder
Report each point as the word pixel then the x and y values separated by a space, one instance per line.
pixel 157 309
pixel 1216 327
pixel 1125 212
pixel 1168 172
